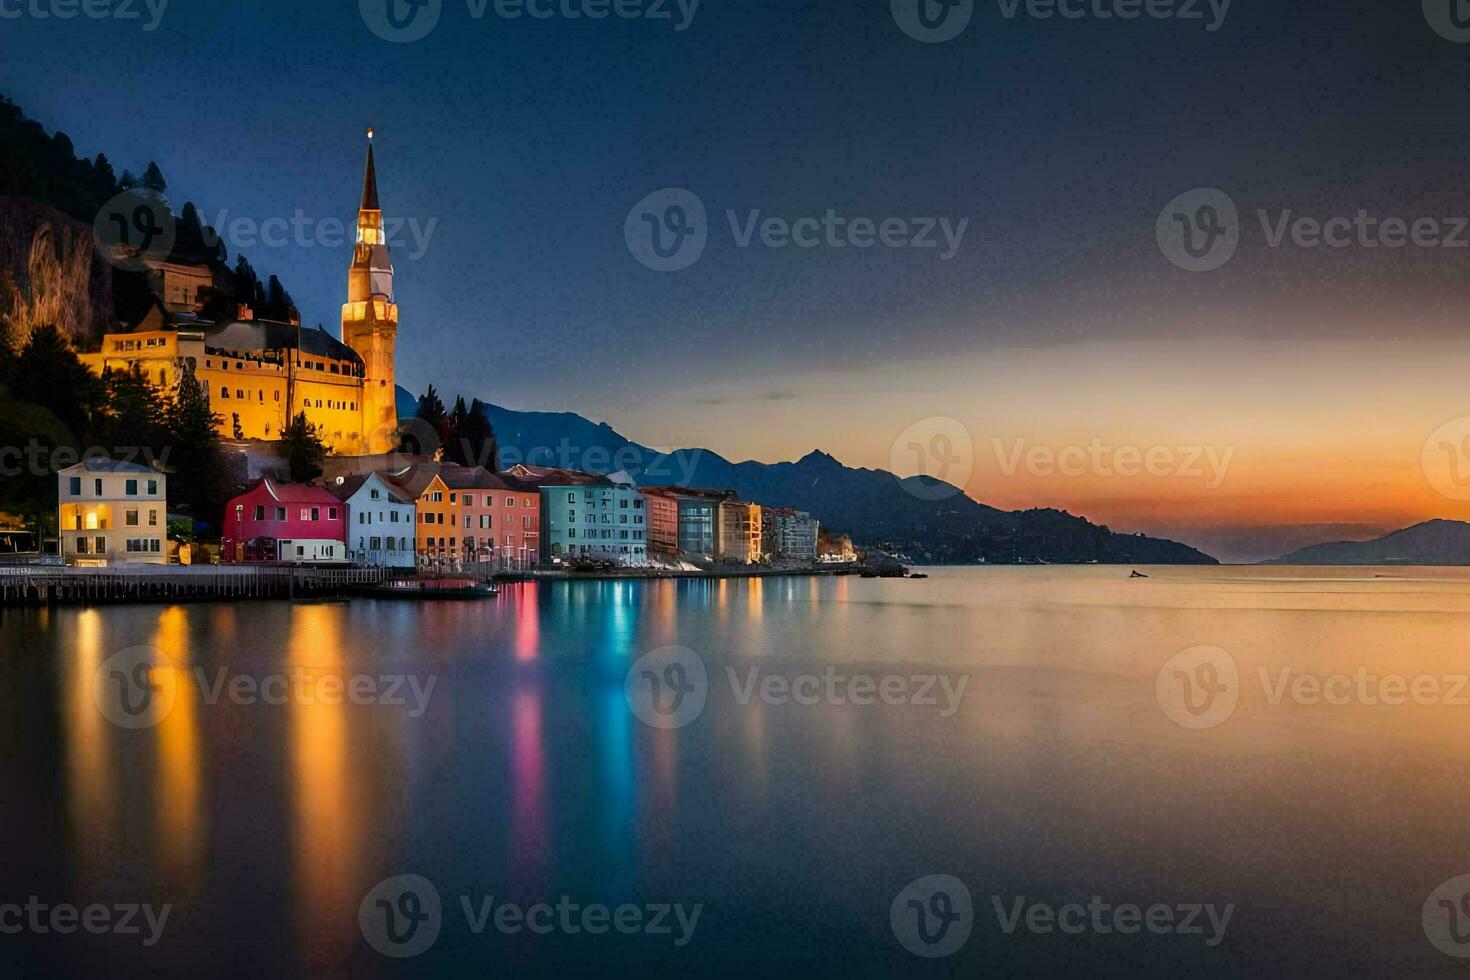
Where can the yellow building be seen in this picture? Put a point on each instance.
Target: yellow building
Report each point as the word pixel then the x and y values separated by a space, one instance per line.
pixel 260 374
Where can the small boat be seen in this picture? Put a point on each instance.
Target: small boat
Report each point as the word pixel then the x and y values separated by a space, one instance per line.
pixel 430 589
pixel 1137 574
pixel 919 575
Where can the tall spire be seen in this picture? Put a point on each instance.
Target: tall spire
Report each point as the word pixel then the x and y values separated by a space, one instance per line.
pixel 370 181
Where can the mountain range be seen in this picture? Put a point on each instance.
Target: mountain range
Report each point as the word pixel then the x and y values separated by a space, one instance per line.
pixel 1430 543
pixel 927 520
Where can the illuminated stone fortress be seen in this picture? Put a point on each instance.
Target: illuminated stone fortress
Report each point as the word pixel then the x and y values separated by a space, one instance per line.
pixel 262 373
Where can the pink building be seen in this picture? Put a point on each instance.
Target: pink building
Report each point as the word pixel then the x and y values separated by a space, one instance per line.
pixel 284 522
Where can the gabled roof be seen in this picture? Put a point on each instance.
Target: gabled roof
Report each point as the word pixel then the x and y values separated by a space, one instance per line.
pixel 103 464
pixel 547 476
pixel 291 493
pixel 264 335
pixel 691 493
pixel 344 488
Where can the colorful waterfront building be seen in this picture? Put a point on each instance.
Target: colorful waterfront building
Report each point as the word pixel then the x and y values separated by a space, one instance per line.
pixel 382 521
pixel 584 515
pixel 112 513
pixel 740 532
pixel 790 534
pixel 469 514
pixel 260 374
pixel 284 522
pixel 663 521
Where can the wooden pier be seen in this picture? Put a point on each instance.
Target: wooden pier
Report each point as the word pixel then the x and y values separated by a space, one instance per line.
pixel 45 585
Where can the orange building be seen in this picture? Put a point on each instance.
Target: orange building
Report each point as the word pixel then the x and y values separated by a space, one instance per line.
pixel 469 514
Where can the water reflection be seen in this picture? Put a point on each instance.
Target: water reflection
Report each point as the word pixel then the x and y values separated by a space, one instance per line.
pixel 178 792
pixel 91 792
pixel 328 815
pixel 1059 774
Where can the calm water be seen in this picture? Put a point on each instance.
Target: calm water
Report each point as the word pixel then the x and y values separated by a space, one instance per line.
pixel 525 775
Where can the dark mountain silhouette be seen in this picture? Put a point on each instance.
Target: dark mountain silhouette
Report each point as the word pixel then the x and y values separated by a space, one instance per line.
pixel 928 520
pixel 1430 543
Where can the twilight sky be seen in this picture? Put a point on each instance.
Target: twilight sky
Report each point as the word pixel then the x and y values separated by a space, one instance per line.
pixel 1318 372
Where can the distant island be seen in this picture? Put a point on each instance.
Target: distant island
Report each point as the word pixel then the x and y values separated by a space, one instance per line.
pixel 1435 542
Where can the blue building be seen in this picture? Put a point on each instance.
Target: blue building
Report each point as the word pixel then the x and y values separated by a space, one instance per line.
pixel 584 515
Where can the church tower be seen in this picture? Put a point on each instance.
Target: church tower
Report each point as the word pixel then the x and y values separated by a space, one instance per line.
pixel 370 319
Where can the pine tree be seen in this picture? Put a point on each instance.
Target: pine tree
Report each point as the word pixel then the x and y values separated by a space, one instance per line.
pixel 49 373
pixel 194 456
pixel 471 438
pixel 134 417
pixel 153 179
pixel 431 410
pixel 305 452
pixel 127 182
pixel 104 181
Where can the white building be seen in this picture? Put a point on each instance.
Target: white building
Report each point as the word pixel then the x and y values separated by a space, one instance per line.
pixel 381 521
pixel 112 513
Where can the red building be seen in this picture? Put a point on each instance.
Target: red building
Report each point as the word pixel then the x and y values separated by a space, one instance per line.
pixel 284 522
